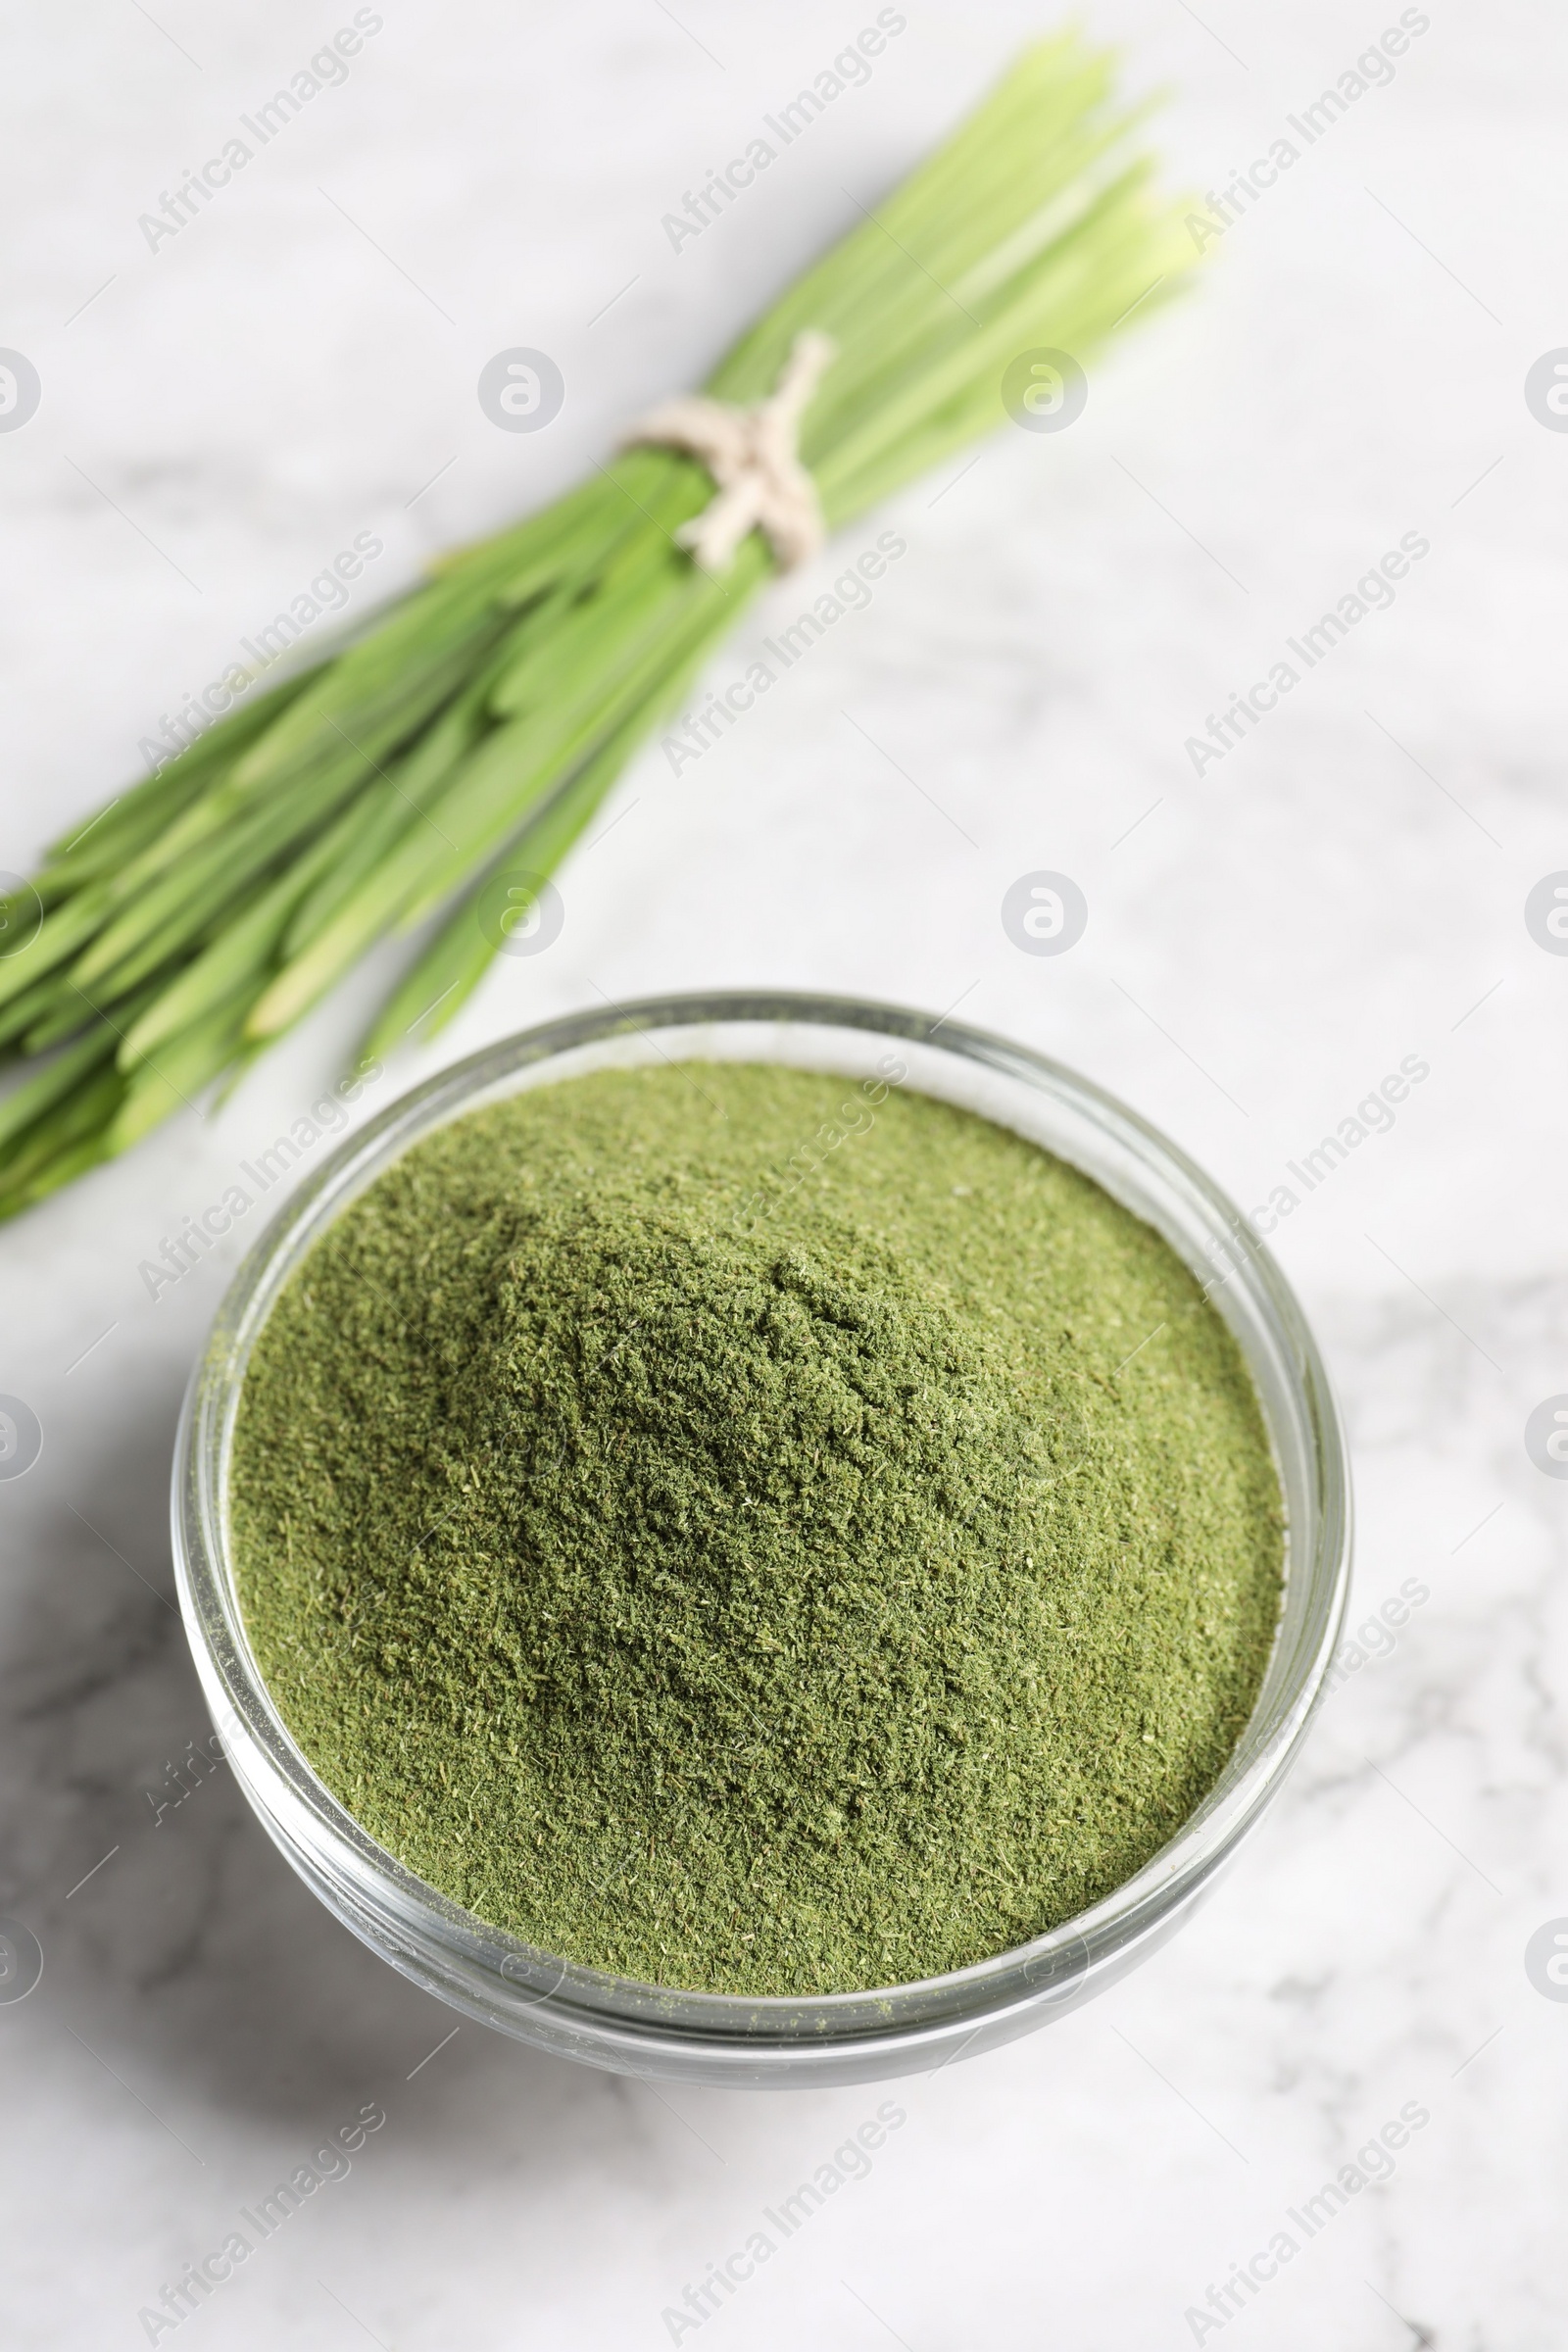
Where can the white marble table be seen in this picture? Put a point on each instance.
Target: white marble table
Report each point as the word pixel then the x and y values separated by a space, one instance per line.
pixel 222 413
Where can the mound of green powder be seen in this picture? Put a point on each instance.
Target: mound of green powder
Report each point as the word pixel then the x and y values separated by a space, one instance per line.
pixel 750 1540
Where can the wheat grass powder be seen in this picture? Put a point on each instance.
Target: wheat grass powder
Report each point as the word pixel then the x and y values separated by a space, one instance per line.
pixel 755 1533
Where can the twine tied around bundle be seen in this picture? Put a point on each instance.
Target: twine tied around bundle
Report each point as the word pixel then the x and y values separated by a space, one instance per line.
pixel 752 455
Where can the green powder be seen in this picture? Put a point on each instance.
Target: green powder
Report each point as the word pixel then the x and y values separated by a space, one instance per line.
pixel 748 1561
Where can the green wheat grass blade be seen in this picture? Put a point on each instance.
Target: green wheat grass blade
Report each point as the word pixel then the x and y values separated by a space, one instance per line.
pixel 485 717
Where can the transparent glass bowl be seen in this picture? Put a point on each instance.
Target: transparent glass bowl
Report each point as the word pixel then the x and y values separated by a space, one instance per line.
pixel 843 2038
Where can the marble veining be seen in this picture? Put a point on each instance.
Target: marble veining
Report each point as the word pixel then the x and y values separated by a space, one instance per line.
pixel 1343 888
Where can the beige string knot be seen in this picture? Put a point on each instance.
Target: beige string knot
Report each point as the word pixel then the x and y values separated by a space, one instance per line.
pixel 751 453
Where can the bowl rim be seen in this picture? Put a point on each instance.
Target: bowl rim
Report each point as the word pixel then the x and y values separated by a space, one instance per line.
pixel 489 1972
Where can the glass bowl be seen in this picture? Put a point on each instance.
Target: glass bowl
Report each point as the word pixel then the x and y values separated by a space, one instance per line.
pixel 648 2030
